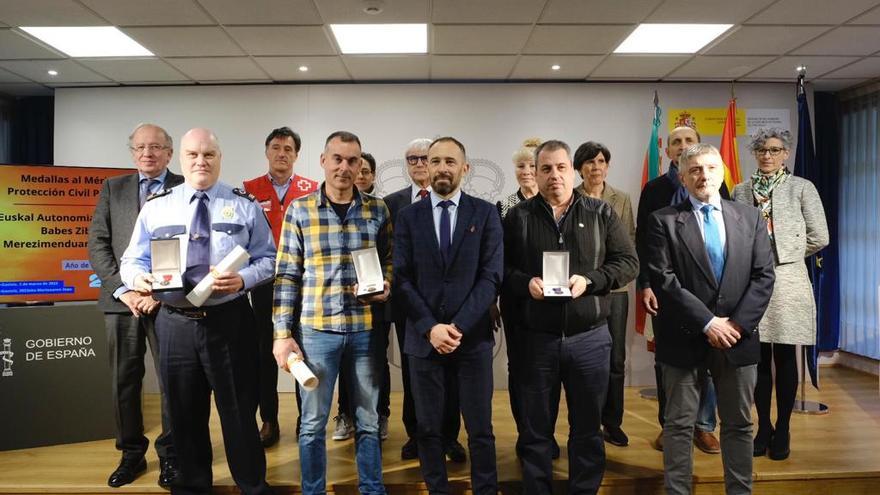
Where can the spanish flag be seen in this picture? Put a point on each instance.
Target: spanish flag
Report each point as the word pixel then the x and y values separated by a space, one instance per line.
pixel 728 147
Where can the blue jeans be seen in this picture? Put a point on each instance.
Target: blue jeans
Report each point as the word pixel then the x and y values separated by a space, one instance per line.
pixel 324 352
pixel 706 420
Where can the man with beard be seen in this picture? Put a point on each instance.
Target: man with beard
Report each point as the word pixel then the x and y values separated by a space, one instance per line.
pixel 448 277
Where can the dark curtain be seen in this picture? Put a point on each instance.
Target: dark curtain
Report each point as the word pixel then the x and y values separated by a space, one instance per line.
pixel 828 183
pixel 32 128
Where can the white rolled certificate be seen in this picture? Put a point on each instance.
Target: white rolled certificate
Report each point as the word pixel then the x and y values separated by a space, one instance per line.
pixel 232 262
pixel 301 371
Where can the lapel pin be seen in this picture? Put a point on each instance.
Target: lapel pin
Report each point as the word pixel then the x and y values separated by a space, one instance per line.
pixel 580 225
pixel 472 229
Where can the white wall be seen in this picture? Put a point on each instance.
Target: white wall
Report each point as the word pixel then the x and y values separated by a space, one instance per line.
pixel 92 125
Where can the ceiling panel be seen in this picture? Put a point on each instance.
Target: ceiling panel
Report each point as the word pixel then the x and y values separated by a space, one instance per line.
pixel 37 70
pixel 320 68
pixel 812 11
pixel 724 68
pixel 637 66
pixel 581 39
pixel 571 66
pixel 836 84
pixel 471 67
pixel 765 40
pixel 597 11
pixel 872 17
pixel 160 12
pixel 845 40
pixel 26 89
pixel 17 46
pixel 135 70
pixel 387 67
pixel 486 11
pixel 47 13
pixel 283 40
pixel 867 68
pixel 9 77
pixel 785 67
pixel 711 11
pixel 482 39
pixel 352 11
pixel 185 41
pixel 231 12
pixel 220 69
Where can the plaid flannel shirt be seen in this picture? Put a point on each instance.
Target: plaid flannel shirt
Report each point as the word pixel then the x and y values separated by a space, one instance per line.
pixel 314 274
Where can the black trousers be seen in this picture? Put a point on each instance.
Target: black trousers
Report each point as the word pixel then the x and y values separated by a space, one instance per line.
pixel 580 363
pixel 451 416
pixel 214 354
pixel 261 300
pixel 612 413
pixel 430 379
pixel 383 407
pixel 127 338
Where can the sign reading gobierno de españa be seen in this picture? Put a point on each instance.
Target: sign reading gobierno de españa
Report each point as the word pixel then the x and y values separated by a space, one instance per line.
pixel 45 212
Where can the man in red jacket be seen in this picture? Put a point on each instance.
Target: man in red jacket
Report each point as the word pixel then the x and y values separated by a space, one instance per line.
pixel 274 191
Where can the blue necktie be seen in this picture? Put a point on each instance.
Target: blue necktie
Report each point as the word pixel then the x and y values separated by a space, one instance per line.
pixel 713 241
pixel 445 227
pixel 146 188
pixel 198 253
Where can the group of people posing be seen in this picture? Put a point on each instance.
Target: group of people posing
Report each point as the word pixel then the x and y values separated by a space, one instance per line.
pixel 706 268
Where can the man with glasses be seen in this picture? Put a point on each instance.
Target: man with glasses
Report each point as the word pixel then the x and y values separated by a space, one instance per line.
pixel 274 191
pixel 417 168
pixel 129 316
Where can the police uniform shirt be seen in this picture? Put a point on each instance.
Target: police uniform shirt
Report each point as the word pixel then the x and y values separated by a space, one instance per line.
pixel 235 220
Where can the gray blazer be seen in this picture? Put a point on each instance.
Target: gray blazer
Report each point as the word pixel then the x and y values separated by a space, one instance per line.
pixel 799 226
pixel 110 232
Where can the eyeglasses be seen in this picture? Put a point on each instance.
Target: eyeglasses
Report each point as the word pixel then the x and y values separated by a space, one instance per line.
pixel 773 151
pixel 414 159
pixel 154 148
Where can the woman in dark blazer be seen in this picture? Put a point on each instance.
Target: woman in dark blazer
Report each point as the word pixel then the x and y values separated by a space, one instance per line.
pixel 797 229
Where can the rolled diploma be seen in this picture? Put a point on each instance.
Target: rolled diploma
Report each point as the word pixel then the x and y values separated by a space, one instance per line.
pixel 232 262
pixel 300 370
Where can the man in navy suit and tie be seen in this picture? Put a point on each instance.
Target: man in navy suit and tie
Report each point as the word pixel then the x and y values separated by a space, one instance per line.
pixel 448 277
pixel 416 156
pixel 711 269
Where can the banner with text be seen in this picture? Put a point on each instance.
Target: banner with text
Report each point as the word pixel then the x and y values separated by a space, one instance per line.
pixel 45 212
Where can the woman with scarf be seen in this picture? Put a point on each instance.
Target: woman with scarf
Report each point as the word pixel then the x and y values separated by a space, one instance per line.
pixel 797 229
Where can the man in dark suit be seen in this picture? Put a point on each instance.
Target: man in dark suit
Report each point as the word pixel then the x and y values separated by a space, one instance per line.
pixel 130 317
pixel 658 193
pixel 417 168
pixel 711 269
pixel 448 277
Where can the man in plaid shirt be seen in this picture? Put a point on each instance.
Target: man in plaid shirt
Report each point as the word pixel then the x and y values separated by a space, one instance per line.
pixel 318 316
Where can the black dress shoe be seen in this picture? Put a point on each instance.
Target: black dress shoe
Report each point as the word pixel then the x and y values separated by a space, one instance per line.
pixel 762 441
pixel 615 436
pixel 128 471
pixel 455 452
pixel 780 447
pixel 410 450
pixel 167 472
pixel 269 434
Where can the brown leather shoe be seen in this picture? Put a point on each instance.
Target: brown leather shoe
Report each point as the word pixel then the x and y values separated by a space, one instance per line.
pixel 657 443
pixel 269 434
pixel 706 441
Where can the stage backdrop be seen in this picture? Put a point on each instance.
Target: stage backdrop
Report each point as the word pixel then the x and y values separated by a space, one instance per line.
pixel 92 125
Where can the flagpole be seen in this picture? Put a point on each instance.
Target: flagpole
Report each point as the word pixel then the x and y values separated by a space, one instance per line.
pixel 802 405
pixel 650 393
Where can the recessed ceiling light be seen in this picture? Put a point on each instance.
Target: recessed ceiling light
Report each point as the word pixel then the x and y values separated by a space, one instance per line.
pixel 671 38
pixel 555 67
pixel 381 38
pixel 52 72
pixel 303 68
pixel 99 41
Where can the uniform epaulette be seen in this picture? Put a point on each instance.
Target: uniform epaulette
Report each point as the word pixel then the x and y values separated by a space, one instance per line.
pixel 244 194
pixel 159 194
